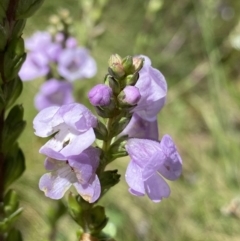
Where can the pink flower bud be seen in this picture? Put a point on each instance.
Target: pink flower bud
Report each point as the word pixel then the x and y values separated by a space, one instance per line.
pixel 100 95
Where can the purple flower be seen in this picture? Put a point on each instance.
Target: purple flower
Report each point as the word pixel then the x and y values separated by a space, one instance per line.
pixel 54 92
pixel 130 95
pixel 148 160
pixel 35 66
pixel 71 42
pixel 140 128
pixel 73 127
pixel 78 171
pixel 153 89
pixel 38 41
pixel 76 63
pixel 100 95
pixel 42 42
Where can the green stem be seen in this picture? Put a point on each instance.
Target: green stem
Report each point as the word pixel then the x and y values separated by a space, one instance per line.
pixel 1 171
pixel 106 144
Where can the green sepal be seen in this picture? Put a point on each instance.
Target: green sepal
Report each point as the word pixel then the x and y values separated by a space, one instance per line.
pixel 13 58
pixel 11 202
pixel 75 208
pixel 106 111
pixel 26 9
pixel 98 219
pixel 18 28
pixel 113 84
pixel 108 179
pixel 12 90
pixel 117 72
pixel 117 149
pixel 14 235
pixel 119 125
pixel 14 126
pixel 14 165
pixel 127 64
pixel 101 131
pixel 132 79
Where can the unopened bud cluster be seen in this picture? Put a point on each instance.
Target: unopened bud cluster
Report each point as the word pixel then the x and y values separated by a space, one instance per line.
pixel 118 93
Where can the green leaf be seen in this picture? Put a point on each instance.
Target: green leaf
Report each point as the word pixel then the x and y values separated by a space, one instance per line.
pixel 14 126
pixel 18 28
pixel 3 8
pixel 12 90
pixel 108 179
pixel 3 37
pixel 13 58
pixel 11 202
pixel 26 8
pixel 14 165
pixel 98 219
pixel 14 235
pixel 6 223
pixel 2 99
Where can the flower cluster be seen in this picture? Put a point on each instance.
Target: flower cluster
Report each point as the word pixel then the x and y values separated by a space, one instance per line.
pixel 71 159
pixel 61 61
pixel 140 94
pixel 129 101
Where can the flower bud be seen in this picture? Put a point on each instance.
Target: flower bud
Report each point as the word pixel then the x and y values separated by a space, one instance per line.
pixel 138 63
pixel 100 95
pixel 130 95
pixel 127 64
pixel 115 66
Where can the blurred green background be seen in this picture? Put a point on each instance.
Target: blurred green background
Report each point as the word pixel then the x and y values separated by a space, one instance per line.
pixel 196 45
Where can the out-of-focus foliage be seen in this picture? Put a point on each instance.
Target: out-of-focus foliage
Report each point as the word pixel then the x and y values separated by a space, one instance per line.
pixel 191 43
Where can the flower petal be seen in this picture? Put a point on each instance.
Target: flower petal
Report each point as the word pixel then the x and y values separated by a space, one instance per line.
pixel 79 117
pixel 140 128
pixel 52 153
pixel 153 164
pixel 90 191
pixel 171 168
pixel 141 150
pixel 79 143
pixel 134 178
pixel 54 186
pixel 43 123
pixel 156 188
